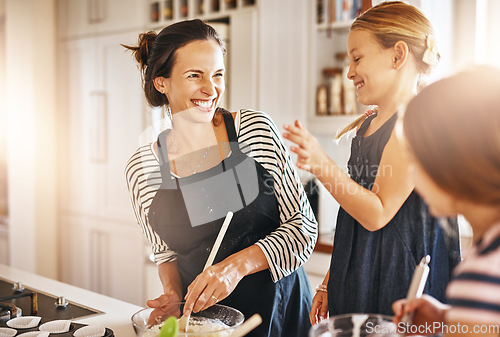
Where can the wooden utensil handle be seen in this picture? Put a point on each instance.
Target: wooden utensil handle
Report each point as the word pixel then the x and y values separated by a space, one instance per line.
pixel 247 326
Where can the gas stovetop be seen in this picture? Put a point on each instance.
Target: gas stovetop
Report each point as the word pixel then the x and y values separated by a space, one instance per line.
pixel 17 299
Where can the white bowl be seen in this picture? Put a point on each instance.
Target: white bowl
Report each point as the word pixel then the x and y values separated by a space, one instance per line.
pixel 216 314
pixel 355 325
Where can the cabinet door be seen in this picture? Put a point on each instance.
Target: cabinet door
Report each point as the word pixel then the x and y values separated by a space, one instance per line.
pixel 119 15
pixel 74 252
pixel 102 109
pixel 78 18
pixel 79 99
pixel 117 261
pixel 121 122
pixel 105 257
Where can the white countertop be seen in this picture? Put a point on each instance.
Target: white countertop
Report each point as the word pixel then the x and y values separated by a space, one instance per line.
pixel 116 314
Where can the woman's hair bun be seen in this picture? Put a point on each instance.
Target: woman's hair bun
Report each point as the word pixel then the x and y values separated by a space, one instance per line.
pixel 145 45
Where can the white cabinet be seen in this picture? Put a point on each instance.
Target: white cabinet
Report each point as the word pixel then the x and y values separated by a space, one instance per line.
pixel 101 108
pixel 105 257
pixel 102 105
pixel 4 240
pixel 88 17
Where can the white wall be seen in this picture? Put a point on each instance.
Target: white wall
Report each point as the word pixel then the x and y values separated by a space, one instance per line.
pixel 31 106
pixel 3 116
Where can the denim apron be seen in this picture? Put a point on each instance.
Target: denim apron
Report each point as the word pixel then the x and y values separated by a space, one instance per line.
pixel 284 306
pixel 371 270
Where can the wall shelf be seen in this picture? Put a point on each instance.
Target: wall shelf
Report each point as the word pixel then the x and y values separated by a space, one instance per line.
pixel 329 124
pixel 335 26
pixel 162 13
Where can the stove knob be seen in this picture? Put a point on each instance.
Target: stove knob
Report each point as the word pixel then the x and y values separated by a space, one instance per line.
pixel 18 287
pixel 61 302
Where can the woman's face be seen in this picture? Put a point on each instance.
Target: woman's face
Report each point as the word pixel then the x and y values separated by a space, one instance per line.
pixel 371 67
pixel 440 202
pixel 196 83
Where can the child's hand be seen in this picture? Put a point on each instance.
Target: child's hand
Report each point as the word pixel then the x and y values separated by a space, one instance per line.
pixel 319 308
pixel 311 156
pixel 425 309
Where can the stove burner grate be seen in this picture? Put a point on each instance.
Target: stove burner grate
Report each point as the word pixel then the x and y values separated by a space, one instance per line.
pixel 15 297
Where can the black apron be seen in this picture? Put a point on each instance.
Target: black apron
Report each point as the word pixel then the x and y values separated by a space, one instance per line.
pixel 284 306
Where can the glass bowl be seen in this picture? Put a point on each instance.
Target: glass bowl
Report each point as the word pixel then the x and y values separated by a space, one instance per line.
pixel 355 325
pixel 216 321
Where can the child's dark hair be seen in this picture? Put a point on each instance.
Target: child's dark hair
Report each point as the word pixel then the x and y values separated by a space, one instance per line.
pixel 155 53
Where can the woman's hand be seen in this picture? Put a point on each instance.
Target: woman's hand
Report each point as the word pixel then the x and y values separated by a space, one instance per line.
pixel 319 308
pixel 212 286
pixel 425 309
pixel 218 281
pixel 311 156
pixel 163 308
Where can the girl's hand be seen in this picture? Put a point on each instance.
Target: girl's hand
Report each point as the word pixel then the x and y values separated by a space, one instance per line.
pixel 212 286
pixel 319 308
pixel 425 309
pixel 311 156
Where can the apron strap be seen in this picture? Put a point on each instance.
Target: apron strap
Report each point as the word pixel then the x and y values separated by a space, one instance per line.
pixel 231 131
pixel 167 180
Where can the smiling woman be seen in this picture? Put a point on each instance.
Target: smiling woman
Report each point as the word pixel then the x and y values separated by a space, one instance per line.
pixel 209 163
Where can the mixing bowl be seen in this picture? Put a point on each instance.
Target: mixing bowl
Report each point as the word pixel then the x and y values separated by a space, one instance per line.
pixel 206 322
pixel 355 325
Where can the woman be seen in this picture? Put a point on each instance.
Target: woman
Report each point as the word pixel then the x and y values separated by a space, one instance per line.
pixel 209 163
pixel 452 129
pixel 383 227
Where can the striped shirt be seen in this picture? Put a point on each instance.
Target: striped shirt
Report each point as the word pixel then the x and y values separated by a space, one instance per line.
pixel 290 245
pixel 474 292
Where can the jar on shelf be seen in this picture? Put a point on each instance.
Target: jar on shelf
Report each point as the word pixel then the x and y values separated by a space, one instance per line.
pixel 215 5
pixel 184 8
pixel 154 12
pixel 320 11
pixel 322 100
pixel 350 100
pixel 168 10
pixel 230 4
pixel 334 80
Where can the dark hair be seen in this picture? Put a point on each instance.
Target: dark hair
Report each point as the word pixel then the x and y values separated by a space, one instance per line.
pixel 155 53
pixel 452 128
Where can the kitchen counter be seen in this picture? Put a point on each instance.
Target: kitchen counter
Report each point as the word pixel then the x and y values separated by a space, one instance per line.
pixel 116 314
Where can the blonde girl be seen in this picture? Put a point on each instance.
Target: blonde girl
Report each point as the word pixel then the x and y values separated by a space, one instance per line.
pixel 383 227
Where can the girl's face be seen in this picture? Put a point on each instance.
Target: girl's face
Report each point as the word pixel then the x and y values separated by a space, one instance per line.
pixel 440 202
pixel 371 67
pixel 196 83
